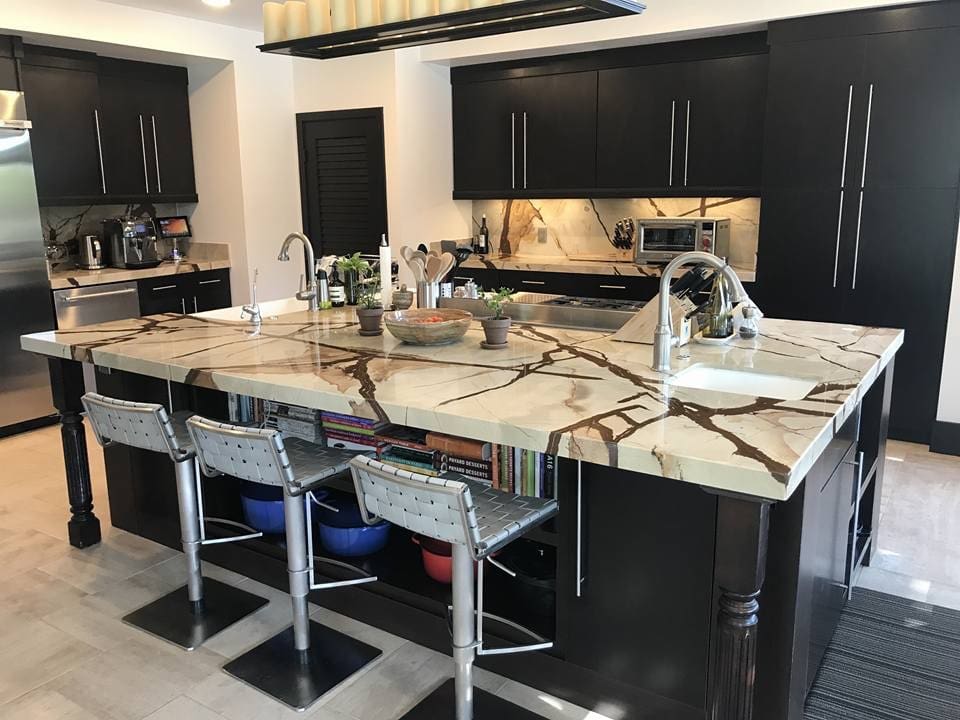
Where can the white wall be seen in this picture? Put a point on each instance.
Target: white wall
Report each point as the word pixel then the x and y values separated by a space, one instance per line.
pixel 245 142
pixel 949 408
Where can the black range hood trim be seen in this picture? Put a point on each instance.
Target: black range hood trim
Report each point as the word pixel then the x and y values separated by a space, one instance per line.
pixel 477 22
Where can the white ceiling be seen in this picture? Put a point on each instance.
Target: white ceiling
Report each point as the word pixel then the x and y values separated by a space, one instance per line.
pixel 240 13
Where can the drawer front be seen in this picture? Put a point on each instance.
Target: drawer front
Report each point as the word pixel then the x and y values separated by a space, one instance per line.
pixel 486 278
pixel 619 287
pixel 209 291
pixel 539 282
pixel 163 294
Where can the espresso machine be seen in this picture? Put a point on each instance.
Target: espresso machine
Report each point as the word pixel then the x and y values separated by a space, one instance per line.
pixel 132 242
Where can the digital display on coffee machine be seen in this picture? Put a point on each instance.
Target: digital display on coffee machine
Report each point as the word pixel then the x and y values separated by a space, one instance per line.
pixel 174 227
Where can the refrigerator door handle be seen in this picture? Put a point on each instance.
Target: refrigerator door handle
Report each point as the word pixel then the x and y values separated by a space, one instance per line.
pixel 143 151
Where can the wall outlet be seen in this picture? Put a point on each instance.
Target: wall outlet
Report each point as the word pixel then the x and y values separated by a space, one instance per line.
pixel 542 235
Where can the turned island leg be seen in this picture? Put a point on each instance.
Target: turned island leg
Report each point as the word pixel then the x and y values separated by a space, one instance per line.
pixel 66 380
pixel 741 560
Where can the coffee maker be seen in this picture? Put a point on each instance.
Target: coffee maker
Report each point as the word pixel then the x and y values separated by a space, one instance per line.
pixel 132 242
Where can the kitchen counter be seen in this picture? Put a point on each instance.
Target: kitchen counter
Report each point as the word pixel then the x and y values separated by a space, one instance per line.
pixel 576 393
pixel 78 277
pixel 584 266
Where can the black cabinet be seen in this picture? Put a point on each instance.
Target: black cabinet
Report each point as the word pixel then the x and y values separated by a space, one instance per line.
pixel 859 213
pixel 486 278
pixel 62 96
pixel 147 143
pixel 187 293
pixel 525 136
pixel 8 63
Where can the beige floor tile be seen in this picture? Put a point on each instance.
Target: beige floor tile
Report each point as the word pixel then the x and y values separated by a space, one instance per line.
pixel 45 704
pixel 136 678
pixel 264 623
pixel 234 700
pixel 34 594
pixel 552 708
pixel 32 652
pixel 84 621
pixel 23 550
pixel 361 631
pixel 183 708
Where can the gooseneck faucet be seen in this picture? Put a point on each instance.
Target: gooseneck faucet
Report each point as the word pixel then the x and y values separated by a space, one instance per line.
pixel 663 339
pixel 309 292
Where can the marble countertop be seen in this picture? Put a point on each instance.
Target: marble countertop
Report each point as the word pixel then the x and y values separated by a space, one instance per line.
pixel 573 392
pixel 78 277
pixel 583 266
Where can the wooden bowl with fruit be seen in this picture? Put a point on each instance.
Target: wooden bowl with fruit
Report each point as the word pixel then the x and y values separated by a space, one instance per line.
pixel 428 326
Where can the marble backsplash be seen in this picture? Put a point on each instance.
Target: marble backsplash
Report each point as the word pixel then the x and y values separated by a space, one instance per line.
pixel 583 228
pixel 64 226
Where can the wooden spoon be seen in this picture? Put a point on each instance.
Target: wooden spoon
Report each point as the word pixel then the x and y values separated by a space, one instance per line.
pixel 434 265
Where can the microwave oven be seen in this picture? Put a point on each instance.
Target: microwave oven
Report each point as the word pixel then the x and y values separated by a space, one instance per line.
pixel 660 240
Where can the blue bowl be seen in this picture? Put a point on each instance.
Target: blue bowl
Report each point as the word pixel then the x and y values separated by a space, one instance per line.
pixel 354 541
pixel 264 515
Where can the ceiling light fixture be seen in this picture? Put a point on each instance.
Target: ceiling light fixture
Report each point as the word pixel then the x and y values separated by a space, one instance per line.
pixel 217 3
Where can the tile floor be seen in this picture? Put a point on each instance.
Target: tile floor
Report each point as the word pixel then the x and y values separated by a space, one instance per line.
pixel 65 654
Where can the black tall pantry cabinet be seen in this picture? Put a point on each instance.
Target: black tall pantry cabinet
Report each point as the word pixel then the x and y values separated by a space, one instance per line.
pixel 860 188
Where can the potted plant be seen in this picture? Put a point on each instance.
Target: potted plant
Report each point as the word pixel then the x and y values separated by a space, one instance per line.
pixel 353 270
pixel 370 309
pixel 496 328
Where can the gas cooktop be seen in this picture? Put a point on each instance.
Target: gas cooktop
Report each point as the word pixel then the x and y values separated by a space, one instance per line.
pixel 595 303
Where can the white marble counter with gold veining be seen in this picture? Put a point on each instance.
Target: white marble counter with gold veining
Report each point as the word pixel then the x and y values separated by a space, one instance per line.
pixel 581 266
pixel 574 392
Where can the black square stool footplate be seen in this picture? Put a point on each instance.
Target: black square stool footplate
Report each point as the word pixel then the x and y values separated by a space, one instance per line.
pixel 439 705
pixel 275 668
pixel 173 619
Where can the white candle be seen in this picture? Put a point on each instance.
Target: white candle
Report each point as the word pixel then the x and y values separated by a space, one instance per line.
pixel 448 6
pixel 342 15
pixel 295 12
pixel 386 276
pixel 318 16
pixel 423 8
pixel 368 13
pixel 483 3
pixel 394 11
pixel 274 25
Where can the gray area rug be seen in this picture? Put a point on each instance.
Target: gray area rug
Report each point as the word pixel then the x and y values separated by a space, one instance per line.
pixel 891 659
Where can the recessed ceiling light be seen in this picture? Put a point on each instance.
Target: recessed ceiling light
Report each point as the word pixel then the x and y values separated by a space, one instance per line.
pixel 216 3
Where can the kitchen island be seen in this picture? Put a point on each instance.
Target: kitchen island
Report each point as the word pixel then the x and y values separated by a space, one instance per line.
pixel 676 503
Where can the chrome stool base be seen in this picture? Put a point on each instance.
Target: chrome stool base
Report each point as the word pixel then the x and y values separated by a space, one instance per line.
pixel 175 619
pixel 298 678
pixel 440 704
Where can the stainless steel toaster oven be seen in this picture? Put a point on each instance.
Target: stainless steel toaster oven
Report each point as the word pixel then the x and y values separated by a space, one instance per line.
pixel 659 240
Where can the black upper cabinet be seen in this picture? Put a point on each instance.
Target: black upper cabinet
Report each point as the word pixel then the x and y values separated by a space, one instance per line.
pixel 8 64
pixel 146 124
pixel 484 136
pixel 723 123
pixel 62 97
pixel 912 120
pixel 558 132
pixel 638 126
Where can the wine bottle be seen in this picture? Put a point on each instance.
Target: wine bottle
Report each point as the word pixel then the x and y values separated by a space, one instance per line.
pixel 483 237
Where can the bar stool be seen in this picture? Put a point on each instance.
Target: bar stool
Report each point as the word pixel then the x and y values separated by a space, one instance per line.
pixel 203 607
pixel 478 521
pixel 303 662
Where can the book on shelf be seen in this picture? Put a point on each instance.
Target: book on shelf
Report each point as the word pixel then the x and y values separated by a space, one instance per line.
pixel 351 420
pixel 404 436
pixel 342 427
pixel 478 469
pixel 461 447
pixel 408 464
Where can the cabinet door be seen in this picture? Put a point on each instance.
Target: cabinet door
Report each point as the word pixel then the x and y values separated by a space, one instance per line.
pixel 802 258
pixel 646 554
pixel 488 279
pixel 638 127
pixel 904 267
pixel 166 294
pixel 558 128
pixel 124 132
pixel 914 109
pixel 723 123
pixel 812 120
pixel 209 291
pixel 169 140
pixel 62 104
pixel 485 131
pixel 8 65
pixel 538 282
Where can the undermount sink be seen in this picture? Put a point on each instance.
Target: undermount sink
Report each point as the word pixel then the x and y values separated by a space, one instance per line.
pixel 743 382
pixel 269 309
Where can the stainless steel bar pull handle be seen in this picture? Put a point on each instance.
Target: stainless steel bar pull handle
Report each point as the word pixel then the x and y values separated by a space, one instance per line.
pixel 863 182
pixel 91 296
pixel 513 150
pixel 208 282
pixel 183 305
pixel 195 304
pixel 524 150
pixel 613 287
pixel 843 183
pixel 143 151
pixel 156 151
pixel 673 127
pixel 579 529
pixel 686 146
pixel 103 173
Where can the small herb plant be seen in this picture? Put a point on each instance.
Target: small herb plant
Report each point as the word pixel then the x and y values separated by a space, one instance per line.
pixel 496 300
pixel 354 262
pixel 369 298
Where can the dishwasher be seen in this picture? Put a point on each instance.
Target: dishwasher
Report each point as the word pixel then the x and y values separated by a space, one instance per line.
pixel 94 304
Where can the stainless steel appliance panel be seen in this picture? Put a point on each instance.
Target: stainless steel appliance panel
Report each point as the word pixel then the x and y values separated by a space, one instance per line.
pixel 24 287
pixel 96 304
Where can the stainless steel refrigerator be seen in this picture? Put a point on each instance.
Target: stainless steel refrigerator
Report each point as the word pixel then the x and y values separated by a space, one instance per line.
pixel 25 302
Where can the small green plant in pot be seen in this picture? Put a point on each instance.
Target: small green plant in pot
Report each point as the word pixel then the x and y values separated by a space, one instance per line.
pixel 354 269
pixel 370 309
pixel 496 328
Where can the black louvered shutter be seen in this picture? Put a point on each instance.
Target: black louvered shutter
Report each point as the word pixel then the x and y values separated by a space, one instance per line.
pixel 343 180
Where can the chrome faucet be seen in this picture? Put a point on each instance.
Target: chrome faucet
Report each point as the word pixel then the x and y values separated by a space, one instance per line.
pixel 663 339
pixel 253 309
pixel 308 292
